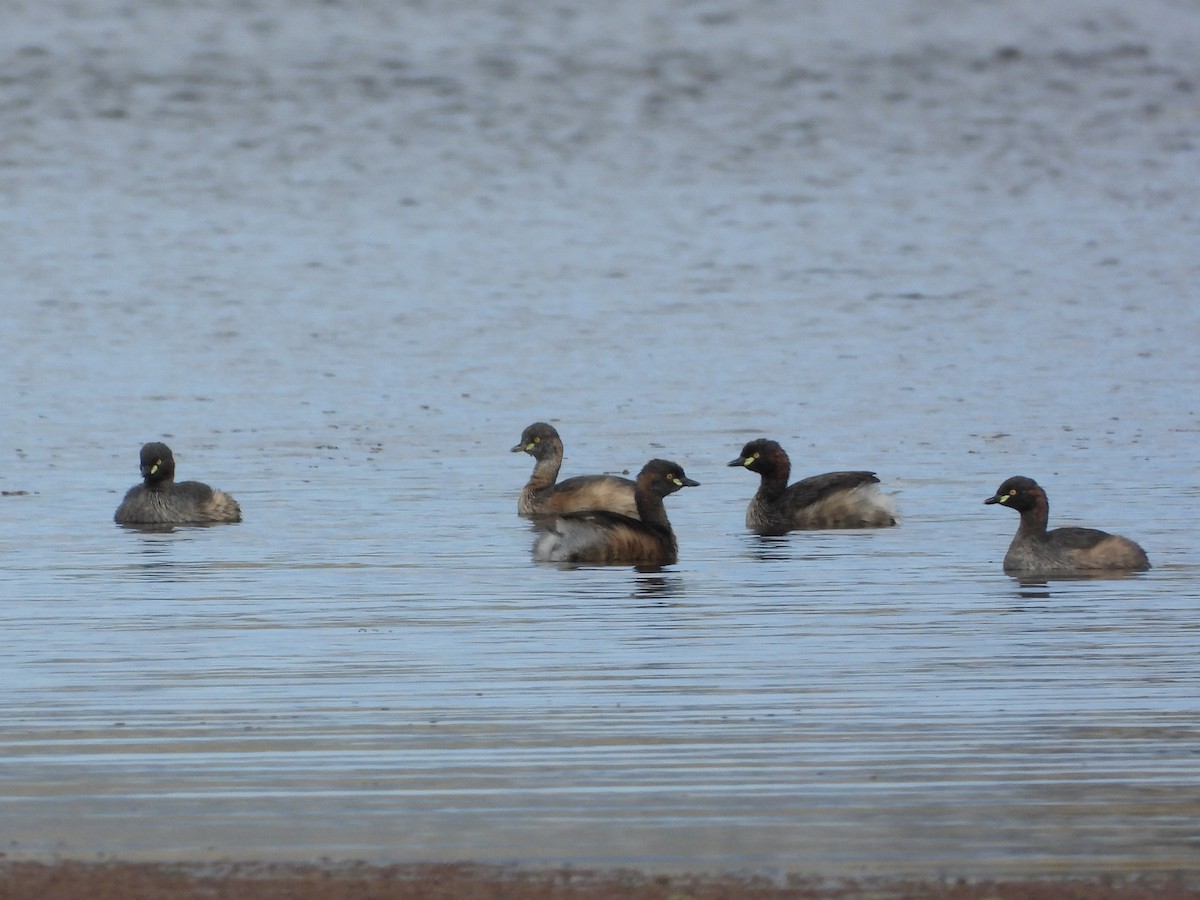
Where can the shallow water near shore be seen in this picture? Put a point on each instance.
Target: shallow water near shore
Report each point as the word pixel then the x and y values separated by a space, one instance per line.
pixel 338 258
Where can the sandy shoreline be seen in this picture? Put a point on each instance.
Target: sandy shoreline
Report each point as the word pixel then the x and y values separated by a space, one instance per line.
pixel 465 881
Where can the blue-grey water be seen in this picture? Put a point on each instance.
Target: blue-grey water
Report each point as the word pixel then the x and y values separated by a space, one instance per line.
pixel 339 255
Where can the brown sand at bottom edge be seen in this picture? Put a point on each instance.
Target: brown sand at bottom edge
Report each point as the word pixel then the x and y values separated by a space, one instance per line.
pixel 463 881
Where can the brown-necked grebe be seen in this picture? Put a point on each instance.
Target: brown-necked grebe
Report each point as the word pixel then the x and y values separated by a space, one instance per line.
pixel 1034 550
pixel 832 500
pixel 603 536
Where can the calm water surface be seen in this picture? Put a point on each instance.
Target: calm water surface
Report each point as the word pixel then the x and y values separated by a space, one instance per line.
pixel 338 259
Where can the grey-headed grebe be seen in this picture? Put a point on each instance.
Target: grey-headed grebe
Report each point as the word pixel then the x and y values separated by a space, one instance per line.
pixel 160 500
pixel 543 496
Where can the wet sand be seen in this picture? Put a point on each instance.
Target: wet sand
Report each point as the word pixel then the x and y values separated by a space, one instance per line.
pixel 133 881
